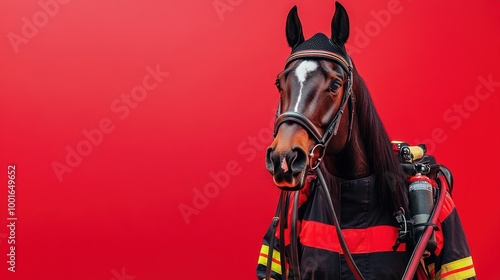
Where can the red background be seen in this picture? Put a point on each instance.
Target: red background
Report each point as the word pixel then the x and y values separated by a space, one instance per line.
pixel 117 213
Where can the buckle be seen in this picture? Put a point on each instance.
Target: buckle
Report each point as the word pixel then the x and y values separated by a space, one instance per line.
pixel 313 164
pixel 405 229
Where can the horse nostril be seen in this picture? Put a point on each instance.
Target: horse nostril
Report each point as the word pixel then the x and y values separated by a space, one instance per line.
pixel 299 162
pixel 269 161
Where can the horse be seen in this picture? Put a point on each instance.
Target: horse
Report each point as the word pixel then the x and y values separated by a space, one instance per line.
pixel 343 186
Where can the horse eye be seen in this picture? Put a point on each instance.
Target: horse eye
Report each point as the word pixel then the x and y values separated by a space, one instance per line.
pixel 278 84
pixel 334 86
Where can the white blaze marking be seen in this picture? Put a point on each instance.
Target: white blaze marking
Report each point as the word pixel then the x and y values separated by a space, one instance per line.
pixel 305 67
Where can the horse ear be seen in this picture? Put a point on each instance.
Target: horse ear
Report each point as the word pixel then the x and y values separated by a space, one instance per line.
pixel 294 33
pixel 340 25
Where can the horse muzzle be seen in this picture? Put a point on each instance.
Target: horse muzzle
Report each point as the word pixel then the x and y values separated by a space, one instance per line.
pixel 288 167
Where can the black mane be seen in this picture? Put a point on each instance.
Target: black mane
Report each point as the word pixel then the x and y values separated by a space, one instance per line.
pixel 379 152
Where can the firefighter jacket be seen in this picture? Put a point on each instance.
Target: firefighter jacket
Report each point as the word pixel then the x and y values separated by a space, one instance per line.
pixel 370 235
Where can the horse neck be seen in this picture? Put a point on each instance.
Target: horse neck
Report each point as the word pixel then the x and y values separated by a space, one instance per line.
pixel 351 162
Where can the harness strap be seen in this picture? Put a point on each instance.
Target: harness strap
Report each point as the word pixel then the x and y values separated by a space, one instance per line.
pixel 293 238
pixel 271 241
pixel 283 224
pixel 351 117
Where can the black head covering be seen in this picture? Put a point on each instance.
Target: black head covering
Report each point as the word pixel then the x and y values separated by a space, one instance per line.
pixel 321 47
pixel 320 42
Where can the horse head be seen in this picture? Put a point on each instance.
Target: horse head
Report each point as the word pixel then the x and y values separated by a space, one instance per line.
pixel 315 89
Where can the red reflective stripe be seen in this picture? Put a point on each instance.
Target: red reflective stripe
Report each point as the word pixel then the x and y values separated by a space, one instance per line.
pixel 456 271
pixel 319 235
pixel 359 241
pixel 274 260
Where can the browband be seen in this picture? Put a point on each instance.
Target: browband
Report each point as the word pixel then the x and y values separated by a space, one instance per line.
pixel 320 54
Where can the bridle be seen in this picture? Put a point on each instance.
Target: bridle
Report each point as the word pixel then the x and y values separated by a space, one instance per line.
pixel 321 140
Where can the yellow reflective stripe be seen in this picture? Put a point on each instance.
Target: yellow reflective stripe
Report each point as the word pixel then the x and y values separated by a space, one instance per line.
pixel 459 269
pixel 265 250
pixel 274 266
pixel 275 263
